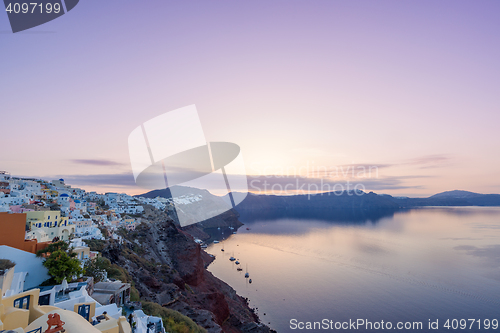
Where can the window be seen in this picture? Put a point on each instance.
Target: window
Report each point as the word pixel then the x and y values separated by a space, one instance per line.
pixel 22 303
pixel 84 311
pixel 44 300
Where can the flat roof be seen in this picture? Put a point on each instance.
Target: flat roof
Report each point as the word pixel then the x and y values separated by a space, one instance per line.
pixel 110 286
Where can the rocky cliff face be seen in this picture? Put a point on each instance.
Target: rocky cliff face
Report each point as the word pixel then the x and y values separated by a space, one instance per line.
pixel 169 268
pixel 451 198
pixel 331 201
pixel 193 203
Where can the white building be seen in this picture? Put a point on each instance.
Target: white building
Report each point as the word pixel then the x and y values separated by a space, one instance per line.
pixel 27 262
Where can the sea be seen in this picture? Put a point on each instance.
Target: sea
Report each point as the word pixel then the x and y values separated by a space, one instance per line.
pixel 434 269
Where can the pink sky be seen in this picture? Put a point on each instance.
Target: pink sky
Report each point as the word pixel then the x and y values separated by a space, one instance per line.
pixel 409 86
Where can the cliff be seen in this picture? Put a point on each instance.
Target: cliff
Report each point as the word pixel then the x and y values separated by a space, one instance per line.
pixel 451 198
pixel 205 202
pixel 169 268
pixel 331 202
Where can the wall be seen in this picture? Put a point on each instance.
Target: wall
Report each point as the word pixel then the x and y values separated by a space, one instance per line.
pixel 26 262
pixel 13 231
pixel 6 280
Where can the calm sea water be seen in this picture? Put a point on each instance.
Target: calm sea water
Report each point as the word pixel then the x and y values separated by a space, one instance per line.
pixel 415 266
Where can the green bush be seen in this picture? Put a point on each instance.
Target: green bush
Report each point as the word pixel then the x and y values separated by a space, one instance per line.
pixel 61 262
pixel 97 268
pixel 63 265
pixel 134 295
pixel 95 244
pixel 173 321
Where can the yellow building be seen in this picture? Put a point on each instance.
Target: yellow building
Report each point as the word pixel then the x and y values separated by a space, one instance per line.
pixel 22 313
pixel 51 222
pixel 82 252
pixel 51 193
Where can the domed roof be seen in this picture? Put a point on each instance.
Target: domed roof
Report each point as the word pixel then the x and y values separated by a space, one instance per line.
pixel 77 201
pixel 73 322
pixel 61 179
pixel 64 195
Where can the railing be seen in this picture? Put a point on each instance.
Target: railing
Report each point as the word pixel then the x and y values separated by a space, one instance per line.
pixel 36 330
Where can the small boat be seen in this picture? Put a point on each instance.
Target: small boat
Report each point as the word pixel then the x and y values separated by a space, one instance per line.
pixel 250 281
pixel 247 275
pixel 232 258
pixel 234 232
pixel 237 262
pixel 216 241
pixel 204 246
pixel 222 248
pixel 248 228
pixel 239 269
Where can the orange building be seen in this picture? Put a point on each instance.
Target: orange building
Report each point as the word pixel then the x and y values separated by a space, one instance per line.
pixel 13 230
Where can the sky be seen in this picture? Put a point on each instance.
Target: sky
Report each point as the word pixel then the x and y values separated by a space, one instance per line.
pixel 305 88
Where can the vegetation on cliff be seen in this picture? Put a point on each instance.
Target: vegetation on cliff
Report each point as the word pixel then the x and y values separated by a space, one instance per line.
pixel 167 270
pixel 173 321
pixel 98 268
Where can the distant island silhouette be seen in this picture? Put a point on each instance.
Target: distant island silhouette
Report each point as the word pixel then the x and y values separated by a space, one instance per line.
pixel 333 206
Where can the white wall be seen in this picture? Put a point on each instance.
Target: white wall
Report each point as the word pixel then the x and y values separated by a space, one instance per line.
pixel 26 262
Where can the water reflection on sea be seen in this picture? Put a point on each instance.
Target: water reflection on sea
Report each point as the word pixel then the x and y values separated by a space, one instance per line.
pixel 416 265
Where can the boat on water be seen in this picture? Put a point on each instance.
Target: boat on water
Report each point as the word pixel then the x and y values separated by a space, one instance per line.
pixel 204 246
pixel 246 274
pixel 239 269
pixel 250 281
pixel 234 232
pixel 216 241
pixel 248 228
pixel 232 258
pixel 237 262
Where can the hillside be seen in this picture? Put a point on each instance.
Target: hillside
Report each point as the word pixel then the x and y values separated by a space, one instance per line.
pixel 451 198
pixel 168 268
pixel 335 206
pixel 193 202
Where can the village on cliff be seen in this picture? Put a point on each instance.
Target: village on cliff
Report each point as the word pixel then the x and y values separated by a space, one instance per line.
pixel 40 220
